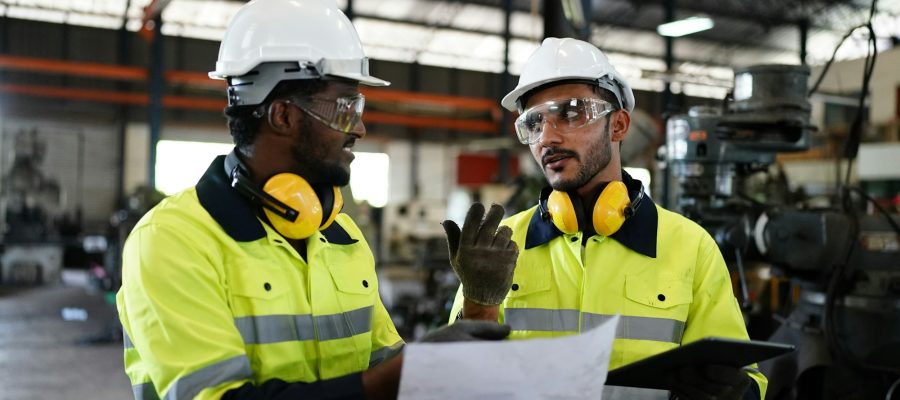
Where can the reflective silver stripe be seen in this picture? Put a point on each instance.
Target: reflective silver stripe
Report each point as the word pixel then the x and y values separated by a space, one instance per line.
pixel 640 328
pixel 144 391
pixel 232 369
pixel 344 325
pixel 264 329
pixel 385 353
pixel 127 340
pixel 541 319
pixel 275 328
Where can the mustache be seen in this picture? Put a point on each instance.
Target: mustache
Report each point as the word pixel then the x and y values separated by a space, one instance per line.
pixel 350 142
pixel 556 151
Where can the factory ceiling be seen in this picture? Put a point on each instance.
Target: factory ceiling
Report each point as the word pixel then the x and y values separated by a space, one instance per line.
pixel 469 34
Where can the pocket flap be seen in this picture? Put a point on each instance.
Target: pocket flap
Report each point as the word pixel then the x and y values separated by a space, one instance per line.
pixel 260 283
pixel 530 278
pixel 659 292
pixel 353 278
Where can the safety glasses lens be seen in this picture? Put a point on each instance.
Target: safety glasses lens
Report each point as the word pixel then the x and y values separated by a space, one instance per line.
pixel 566 114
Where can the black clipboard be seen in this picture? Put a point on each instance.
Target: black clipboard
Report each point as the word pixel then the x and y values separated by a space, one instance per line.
pixel 652 372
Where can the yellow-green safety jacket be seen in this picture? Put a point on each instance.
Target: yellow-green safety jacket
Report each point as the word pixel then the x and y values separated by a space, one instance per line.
pixel 662 272
pixel 212 298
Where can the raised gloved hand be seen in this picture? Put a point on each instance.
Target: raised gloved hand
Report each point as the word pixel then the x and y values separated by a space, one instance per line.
pixel 482 256
pixel 718 382
pixel 467 330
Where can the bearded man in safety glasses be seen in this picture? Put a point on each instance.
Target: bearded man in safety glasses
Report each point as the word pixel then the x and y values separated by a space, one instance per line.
pixel 252 285
pixel 596 245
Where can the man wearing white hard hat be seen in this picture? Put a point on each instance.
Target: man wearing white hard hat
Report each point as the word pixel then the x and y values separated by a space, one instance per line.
pixel 252 284
pixel 596 245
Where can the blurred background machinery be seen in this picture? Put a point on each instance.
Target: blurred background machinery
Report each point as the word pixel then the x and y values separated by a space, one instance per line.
pixel 31 224
pixel 833 268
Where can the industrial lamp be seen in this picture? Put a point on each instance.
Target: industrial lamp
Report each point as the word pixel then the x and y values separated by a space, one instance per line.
pixel 685 26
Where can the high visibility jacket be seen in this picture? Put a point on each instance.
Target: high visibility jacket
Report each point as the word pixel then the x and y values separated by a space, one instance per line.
pixel 212 298
pixel 662 272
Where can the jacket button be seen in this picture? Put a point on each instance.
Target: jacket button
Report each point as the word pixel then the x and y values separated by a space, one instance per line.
pixel 365 283
pixel 321 239
pixel 661 297
pixel 574 239
pixel 515 286
pixel 267 286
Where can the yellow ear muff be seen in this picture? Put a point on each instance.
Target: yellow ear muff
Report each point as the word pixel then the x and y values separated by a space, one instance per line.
pixel 562 212
pixel 336 208
pixel 296 193
pixel 609 210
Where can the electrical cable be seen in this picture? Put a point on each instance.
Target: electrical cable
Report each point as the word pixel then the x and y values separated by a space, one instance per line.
pixel 890 392
pixel 851 147
pixel 877 207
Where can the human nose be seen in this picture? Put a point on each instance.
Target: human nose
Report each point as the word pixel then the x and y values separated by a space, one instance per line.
pixel 359 130
pixel 550 135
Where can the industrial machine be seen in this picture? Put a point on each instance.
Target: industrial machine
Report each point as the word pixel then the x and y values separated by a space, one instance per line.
pixel 843 265
pixel 31 221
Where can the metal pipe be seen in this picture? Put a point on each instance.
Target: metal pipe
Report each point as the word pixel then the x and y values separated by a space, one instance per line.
pixel 156 87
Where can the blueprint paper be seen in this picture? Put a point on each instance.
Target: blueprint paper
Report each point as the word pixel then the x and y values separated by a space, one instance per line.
pixel 570 367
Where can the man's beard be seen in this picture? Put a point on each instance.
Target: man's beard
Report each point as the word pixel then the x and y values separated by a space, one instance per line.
pixel 595 160
pixel 312 160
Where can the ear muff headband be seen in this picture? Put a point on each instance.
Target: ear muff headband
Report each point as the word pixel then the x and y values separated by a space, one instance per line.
pixel 294 208
pixel 610 211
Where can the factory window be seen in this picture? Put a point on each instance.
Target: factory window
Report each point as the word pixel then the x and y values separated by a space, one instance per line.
pixel 369 178
pixel 179 164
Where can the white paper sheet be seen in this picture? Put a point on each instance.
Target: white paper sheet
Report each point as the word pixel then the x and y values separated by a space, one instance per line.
pixel 571 367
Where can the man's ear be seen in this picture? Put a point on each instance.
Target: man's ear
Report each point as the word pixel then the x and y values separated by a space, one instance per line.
pixel 283 118
pixel 621 120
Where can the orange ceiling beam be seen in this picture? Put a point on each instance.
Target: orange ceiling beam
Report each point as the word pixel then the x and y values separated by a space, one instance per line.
pixel 199 79
pixel 109 96
pixel 216 105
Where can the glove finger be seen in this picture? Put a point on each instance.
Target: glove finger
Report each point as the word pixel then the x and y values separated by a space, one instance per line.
pixel 513 246
pixel 688 392
pixel 471 226
pixel 724 374
pixel 501 239
pixel 488 330
pixel 694 379
pixel 452 232
pixel 489 227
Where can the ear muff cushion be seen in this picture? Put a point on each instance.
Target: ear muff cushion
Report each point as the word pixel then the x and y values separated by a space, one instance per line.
pixel 609 210
pixel 562 212
pixel 332 203
pixel 295 192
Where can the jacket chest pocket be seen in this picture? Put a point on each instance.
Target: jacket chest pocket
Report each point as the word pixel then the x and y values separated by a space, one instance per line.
pixel 658 296
pixel 353 275
pixel 259 290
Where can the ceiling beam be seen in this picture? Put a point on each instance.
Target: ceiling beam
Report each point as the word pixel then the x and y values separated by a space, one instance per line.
pixel 744 44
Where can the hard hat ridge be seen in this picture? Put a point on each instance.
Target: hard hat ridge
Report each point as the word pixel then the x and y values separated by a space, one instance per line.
pixel 269 41
pixel 567 59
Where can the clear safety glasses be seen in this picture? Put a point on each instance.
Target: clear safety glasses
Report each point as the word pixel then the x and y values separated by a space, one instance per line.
pixel 341 114
pixel 560 114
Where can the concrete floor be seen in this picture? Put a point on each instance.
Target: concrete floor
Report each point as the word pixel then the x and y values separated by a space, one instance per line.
pixel 40 357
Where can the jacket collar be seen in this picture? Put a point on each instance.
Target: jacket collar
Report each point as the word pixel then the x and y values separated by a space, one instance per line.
pixel 638 233
pixel 236 214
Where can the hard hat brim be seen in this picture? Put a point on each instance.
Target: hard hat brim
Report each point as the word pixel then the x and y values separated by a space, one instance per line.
pixel 366 80
pixel 509 101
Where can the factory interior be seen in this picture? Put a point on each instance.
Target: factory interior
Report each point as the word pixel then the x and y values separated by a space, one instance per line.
pixel 775 127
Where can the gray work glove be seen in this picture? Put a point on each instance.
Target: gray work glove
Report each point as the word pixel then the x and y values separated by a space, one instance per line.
pixel 467 330
pixel 709 382
pixel 482 256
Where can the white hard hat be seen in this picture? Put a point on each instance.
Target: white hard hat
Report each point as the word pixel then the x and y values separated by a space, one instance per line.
pixel 569 59
pixel 309 39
